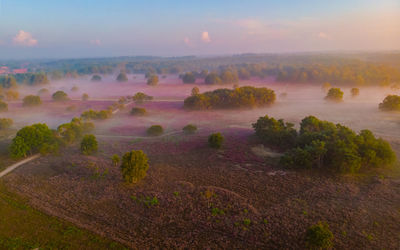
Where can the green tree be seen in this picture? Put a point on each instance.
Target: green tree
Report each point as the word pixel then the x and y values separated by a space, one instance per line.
pixel 115 159
pixel 96 78
pixel 155 130
pixel 189 77
pixel 5 123
pixel 390 103
pixel 134 166
pixel 3 106
pixel 319 236
pixel 122 77
pixel 355 92
pixel 275 132
pixel 152 80
pixel 138 111
pixel 212 78
pixel 60 96
pixel 31 101
pixel 33 139
pixel 334 94
pixel 89 145
pixel 140 97
pixel 215 140
pixel 85 97
pixel 189 129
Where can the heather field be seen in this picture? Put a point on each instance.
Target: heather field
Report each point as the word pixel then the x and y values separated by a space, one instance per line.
pixel 193 196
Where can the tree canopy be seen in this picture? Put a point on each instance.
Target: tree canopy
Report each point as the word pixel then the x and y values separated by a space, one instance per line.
pixel 122 77
pixel 189 77
pixel 134 166
pixel 243 97
pixel 60 96
pixel 31 101
pixel 334 94
pixel 390 103
pixel 322 144
pixel 152 80
pixel 89 145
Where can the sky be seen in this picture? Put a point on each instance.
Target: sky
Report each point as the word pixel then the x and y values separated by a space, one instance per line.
pixel 101 28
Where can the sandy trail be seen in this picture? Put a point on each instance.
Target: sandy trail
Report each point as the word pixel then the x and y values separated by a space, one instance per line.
pixel 18 164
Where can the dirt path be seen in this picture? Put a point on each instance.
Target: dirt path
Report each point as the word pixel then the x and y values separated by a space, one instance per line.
pixel 18 164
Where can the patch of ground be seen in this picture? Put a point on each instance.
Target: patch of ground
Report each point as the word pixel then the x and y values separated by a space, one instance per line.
pixel 198 197
pixel 22 227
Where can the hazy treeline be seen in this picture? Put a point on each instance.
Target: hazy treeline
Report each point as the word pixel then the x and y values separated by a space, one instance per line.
pixel 355 69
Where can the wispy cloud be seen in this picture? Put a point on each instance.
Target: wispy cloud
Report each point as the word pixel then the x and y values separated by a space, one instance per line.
pixel 205 37
pixel 95 42
pixel 24 38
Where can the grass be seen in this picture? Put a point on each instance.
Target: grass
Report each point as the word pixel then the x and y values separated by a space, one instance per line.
pixel 22 227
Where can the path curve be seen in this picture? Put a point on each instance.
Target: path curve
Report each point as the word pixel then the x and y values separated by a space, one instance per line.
pixel 18 164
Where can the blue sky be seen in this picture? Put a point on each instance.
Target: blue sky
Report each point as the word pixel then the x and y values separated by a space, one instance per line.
pixel 89 28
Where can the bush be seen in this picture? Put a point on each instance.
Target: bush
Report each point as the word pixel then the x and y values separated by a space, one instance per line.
pixel 355 92
pixel 189 78
pixel 275 132
pixel 89 145
pixel 134 166
pixel 60 96
pixel 152 80
pixel 334 94
pixel 215 140
pixel 155 130
pixel 5 123
pixel 319 236
pixel 140 97
pixel 31 101
pixel 244 97
pixel 74 89
pixel 115 159
pixel 390 103
pixel 189 129
pixel 138 111
pixel 96 78
pixel 122 77
pixel 85 97
pixel 43 91
pixel 96 115
pixel 3 106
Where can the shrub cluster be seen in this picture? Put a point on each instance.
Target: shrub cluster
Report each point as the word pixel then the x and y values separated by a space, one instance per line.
pixel 215 140
pixel 244 97
pixel 3 106
pixel 140 97
pixel 189 129
pixel 322 144
pixel 89 145
pixel 5 123
pixel 96 115
pixel 60 96
pixel 319 236
pixel 31 101
pixel 334 94
pixel 390 103
pixel 155 130
pixel 74 130
pixel 138 111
